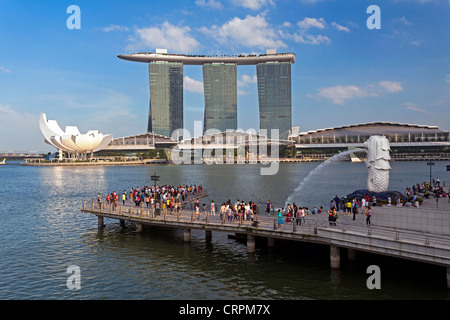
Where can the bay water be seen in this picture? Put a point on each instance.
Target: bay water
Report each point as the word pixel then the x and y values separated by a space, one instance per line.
pixel 43 232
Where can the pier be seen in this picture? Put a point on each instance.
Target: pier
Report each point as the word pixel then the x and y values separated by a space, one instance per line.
pixel 71 163
pixel 419 234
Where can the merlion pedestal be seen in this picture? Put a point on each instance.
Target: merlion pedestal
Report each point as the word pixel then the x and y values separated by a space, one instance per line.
pixel 377 161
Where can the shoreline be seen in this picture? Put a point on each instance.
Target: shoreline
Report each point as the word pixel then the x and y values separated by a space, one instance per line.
pixel 163 161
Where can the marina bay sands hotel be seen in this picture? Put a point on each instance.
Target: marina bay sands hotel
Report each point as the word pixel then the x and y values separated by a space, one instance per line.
pixel 220 90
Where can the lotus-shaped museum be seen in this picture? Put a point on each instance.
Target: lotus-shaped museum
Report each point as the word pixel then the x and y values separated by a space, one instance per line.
pixel 71 141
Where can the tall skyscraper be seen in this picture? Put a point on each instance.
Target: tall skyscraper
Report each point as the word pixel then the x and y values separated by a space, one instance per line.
pixel 220 91
pixel 274 95
pixel 166 97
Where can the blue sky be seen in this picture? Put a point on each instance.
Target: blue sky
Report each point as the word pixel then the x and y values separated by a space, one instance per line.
pixel 345 73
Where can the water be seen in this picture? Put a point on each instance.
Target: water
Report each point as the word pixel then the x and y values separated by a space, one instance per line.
pixel 42 232
pixel 338 157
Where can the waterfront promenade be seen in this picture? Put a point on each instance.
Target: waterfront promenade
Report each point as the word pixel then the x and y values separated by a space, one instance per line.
pixel 401 237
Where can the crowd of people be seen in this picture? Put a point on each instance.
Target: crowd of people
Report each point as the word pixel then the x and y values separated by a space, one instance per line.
pixel 165 197
pixel 350 207
pixel 428 190
pixel 170 198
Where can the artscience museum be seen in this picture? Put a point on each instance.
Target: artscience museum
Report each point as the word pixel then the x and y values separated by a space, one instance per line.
pixel 71 143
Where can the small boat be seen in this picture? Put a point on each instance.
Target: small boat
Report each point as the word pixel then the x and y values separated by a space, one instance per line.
pixel 3 162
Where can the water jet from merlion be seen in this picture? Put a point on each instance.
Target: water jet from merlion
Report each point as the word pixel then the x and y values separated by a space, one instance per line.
pixel 377 162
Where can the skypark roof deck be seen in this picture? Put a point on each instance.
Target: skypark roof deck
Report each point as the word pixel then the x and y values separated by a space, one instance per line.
pixel 251 59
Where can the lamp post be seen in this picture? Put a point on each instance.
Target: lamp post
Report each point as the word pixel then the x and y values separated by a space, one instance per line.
pixel 155 178
pixel 430 163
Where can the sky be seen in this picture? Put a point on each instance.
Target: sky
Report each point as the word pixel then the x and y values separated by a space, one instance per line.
pixel 346 71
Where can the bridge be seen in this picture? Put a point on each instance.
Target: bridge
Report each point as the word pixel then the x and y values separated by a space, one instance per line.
pixel 419 234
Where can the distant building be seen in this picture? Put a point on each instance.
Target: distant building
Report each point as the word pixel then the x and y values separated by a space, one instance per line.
pixel 401 136
pixel 70 142
pixel 274 95
pixel 166 97
pixel 220 90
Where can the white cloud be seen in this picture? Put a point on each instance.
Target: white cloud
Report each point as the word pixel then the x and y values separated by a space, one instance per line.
pixel 339 27
pixel 391 86
pixel 411 106
pixel 448 75
pixel 303 35
pixel 4 70
pixel 114 27
pixel 192 85
pixel 253 31
pixel 340 94
pixel 167 36
pixel 209 3
pixel 307 23
pixel 246 80
pixel 311 39
pixel 253 4
pixel 403 20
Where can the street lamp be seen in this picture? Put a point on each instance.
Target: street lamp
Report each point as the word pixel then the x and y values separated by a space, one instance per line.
pixel 430 163
pixel 155 178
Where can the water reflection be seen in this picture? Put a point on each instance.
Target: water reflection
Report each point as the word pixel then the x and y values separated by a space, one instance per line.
pixel 117 263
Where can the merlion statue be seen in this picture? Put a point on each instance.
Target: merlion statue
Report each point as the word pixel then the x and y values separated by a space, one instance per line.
pixel 377 161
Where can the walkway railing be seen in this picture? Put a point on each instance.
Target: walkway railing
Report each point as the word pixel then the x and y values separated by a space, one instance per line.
pixel 306 226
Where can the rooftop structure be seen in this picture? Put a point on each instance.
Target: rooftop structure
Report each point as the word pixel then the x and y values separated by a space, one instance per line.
pixel 251 59
pixel 398 134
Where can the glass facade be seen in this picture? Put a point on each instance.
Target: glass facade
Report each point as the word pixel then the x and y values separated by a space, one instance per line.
pixel 274 95
pixel 166 97
pixel 220 90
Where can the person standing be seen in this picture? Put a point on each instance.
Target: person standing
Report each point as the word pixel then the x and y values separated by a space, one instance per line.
pixel 337 201
pixel 99 201
pixel 368 215
pixel 197 209
pixel 124 197
pixel 280 219
pixel 268 207
pixel 213 208
pixel 363 205
pixel 298 216
pixel 354 211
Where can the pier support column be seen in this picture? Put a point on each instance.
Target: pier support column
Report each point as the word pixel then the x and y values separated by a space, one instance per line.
pixel 448 277
pixel 352 254
pixel 100 222
pixel 335 257
pixel 187 235
pixel 208 235
pixel 271 242
pixel 138 227
pixel 251 244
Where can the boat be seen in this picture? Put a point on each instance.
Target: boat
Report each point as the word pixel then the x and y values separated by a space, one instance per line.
pixel 3 162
